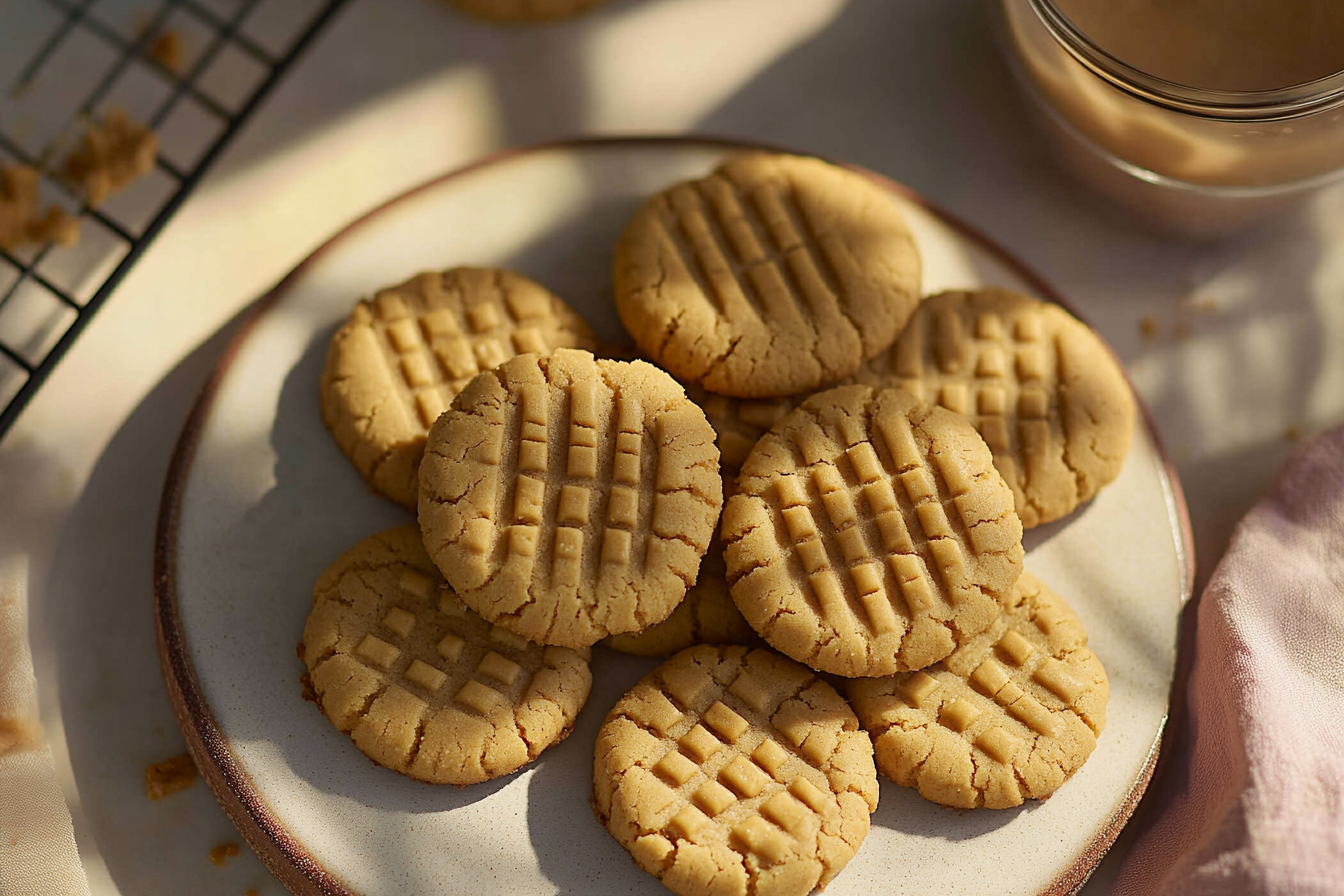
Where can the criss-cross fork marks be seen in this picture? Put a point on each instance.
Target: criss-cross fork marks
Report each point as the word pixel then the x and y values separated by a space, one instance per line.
pixel 728 771
pixel 581 497
pixel 999 678
pixel 754 255
pixel 446 654
pixel 436 344
pixel 993 368
pixel 907 546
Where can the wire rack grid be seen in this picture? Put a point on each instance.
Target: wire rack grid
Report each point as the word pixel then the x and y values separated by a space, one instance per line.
pixel 191 70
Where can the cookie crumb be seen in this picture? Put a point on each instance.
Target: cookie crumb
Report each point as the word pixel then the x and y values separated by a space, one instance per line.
pixel 306 684
pixel 1292 433
pixel 21 220
pixel 1148 327
pixel 1204 304
pixel 110 156
pixel 167 50
pixel 223 852
pixel 169 776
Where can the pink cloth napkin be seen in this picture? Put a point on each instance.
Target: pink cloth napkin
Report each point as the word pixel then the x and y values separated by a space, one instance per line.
pixel 1253 800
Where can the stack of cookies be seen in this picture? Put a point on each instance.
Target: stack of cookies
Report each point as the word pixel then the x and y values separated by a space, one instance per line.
pixel 820 481
pixel 561 498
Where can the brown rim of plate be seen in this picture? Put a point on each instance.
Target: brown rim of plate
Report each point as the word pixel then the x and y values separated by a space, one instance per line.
pixel 278 850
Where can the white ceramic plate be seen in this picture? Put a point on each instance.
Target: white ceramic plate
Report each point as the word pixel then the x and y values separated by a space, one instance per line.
pixel 259 500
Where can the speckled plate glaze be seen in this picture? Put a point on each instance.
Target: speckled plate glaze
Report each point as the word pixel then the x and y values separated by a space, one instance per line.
pixel 259 500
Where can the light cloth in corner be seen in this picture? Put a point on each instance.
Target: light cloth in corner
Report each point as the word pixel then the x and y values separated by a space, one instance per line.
pixel 1256 801
pixel 37 840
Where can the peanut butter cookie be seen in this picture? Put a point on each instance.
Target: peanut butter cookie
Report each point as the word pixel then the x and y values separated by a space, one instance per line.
pixel 423 685
pixel 871 533
pixel 772 276
pixel 733 772
pixel 1009 716
pixel 1043 390
pixel 567 498
pixel 400 358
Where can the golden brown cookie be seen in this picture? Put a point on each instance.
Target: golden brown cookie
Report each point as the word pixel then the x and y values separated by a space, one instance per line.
pixel 1009 716
pixel 519 12
pixel 707 615
pixel 400 358
pixel 567 498
pixel 871 533
pixel 1041 387
pixel 731 772
pixel 423 685
pixel 772 276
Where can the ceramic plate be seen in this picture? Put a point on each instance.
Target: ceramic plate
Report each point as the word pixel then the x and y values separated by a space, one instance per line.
pixel 259 501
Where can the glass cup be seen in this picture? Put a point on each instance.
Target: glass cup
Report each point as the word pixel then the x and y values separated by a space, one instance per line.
pixel 1199 162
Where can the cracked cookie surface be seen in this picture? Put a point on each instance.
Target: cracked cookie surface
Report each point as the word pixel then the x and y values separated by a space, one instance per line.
pixel 423 685
pixel 734 771
pixel 871 533
pixel 773 275
pixel 401 357
pixel 1040 386
pixel 567 498
pixel 1009 716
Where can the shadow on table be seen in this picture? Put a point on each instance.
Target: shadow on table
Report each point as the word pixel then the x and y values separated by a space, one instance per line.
pixel 97 617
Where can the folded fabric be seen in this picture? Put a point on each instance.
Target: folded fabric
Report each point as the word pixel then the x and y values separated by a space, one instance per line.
pixel 1253 800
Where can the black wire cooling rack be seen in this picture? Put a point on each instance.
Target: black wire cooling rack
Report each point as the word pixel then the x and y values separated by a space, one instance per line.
pixel 191 70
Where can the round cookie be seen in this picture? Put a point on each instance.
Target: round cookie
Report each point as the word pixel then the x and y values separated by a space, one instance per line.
pixel 424 686
pixel 400 358
pixel 1009 716
pixel 707 615
pixel 870 534
pixel 772 276
pixel 735 771
pixel 518 12
pixel 1041 387
pixel 567 498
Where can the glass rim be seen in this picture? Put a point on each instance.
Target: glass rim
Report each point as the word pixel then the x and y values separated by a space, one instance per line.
pixel 1294 101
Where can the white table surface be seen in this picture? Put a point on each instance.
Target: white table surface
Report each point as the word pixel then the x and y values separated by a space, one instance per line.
pixel 1247 353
